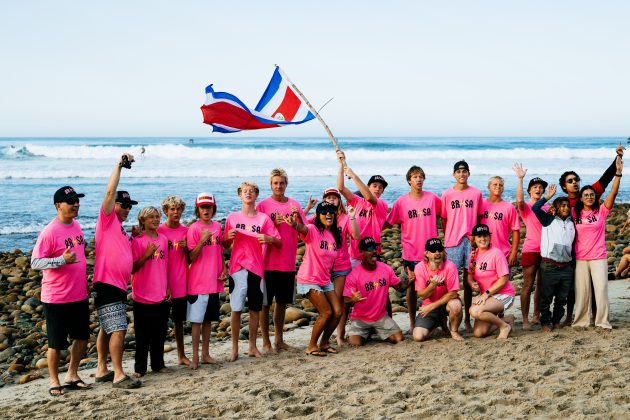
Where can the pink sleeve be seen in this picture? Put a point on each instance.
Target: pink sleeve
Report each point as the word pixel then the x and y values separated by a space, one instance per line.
pixel 355 199
pixel 438 207
pixel 393 216
pixel 191 237
pixel 452 279
pixel 348 286
pixel 420 283
pixel 442 212
pixel 136 253
pixel 381 207
pixel 309 235
pixel 501 264
pixel 515 224
pixel 479 204
pixel 42 246
pixel 270 229
pixel 393 278
pixel 228 224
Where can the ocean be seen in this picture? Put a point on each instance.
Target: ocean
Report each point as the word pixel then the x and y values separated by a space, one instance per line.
pixel 31 169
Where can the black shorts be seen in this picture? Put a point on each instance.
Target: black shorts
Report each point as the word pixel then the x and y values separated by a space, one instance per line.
pixel 433 319
pixel 411 265
pixel 106 294
pixel 65 320
pixel 178 309
pixel 281 286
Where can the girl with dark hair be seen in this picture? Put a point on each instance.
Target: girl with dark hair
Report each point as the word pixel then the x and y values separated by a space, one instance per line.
pixel 590 252
pixel 322 240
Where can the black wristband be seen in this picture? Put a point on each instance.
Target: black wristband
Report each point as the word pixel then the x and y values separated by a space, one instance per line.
pixel 619 175
pixel 488 292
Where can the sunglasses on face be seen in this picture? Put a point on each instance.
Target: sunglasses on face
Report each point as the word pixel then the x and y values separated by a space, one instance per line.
pixel 327 211
pixel 71 201
pixel 125 206
pixel 573 180
pixel 371 248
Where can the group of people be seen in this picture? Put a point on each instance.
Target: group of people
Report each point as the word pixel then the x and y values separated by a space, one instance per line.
pixel 179 271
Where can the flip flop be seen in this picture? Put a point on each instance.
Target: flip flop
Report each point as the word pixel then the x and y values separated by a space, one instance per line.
pixel 317 353
pixel 108 377
pixel 77 385
pixel 330 350
pixel 56 391
pixel 127 383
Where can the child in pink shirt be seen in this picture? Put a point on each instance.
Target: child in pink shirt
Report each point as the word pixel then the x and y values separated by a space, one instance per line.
pixel 246 232
pixel 502 219
pixel 367 289
pixel 461 210
pixel 149 290
pixel 488 275
pixel 206 276
pixel 175 233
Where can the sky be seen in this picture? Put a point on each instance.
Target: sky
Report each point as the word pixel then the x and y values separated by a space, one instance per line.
pixel 395 68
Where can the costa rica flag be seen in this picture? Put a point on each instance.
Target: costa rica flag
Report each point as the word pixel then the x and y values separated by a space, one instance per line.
pixel 279 105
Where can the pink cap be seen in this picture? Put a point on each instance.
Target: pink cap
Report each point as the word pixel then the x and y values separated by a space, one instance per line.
pixel 329 191
pixel 205 198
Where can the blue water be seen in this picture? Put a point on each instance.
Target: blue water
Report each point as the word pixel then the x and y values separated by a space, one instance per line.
pixel 31 169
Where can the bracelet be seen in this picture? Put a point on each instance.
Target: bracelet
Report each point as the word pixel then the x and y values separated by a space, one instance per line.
pixel 619 175
pixel 488 292
pixel 353 218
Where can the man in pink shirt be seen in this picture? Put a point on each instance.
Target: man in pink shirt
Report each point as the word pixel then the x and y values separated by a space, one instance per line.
pixel 367 289
pixel 502 219
pixel 279 261
pixel 175 233
pixel 247 232
pixel 112 272
pixel 417 214
pixel 60 252
pixel 371 211
pixel 461 209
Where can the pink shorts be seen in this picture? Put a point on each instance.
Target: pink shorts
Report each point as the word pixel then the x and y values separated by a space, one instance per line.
pixel 530 258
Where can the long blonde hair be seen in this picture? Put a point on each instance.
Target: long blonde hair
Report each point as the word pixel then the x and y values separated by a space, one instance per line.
pixel 146 212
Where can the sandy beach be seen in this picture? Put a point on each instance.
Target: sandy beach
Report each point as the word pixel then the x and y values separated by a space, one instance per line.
pixel 563 373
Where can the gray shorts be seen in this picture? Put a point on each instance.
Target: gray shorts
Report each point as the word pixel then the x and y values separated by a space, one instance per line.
pixel 460 254
pixel 246 285
pixel 384 327
pixel 432 320
pixel 506 300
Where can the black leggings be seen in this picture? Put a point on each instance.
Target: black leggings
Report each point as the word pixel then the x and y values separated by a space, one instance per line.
pixel 150 323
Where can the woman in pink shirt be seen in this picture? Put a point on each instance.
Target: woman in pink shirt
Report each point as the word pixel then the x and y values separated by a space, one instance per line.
pixel 322 241
pixel 590 253
pixel 149 285
pixel 488 273
pixel 206 276
pixel 347 226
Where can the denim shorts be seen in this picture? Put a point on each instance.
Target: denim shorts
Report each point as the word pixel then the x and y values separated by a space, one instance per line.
pixel 460 254
pixel 303 289
pixel 341 273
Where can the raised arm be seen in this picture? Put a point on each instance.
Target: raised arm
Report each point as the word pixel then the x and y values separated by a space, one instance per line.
pixel 543 217
pixel 610 200
pixel 520 174
pixel 112 185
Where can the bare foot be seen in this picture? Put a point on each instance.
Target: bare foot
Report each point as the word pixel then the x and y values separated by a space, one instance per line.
pixel 233 356
pixel 138 375
pixel 526 326
pixel 254 353
pixel 536 319
pixel 341 342
pixel 456 336
pixel 193 365
pixel 504 332
pixel 468 327
pixel 208 360
pixel 546 328
pixel 284 346
pixel 267 349
pixel 557 326
pixel 164 370
pixel 183 360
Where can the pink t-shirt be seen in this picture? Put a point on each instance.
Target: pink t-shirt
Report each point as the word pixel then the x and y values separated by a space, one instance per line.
pixel 281 258
pixel 461 209
pixel 418 221
pixel 374 287
pixel 533 228
pixel 113 251
pixel 590 243
pixel 177 264
pixel 149 284
pixel 424 274
pixel 370 220
pixel 344 224
pixel 67 283
pixel 501 219
pixel 204 272
pixel 319 257
pixel 491 265
pixel 247 253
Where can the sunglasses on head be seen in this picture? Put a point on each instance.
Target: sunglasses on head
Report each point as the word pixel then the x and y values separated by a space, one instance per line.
pixel 126 206
pixel 71 201
pixel 573 180
pixel 327 211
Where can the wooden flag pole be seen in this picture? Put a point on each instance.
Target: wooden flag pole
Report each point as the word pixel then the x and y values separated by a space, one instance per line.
pixel 319 118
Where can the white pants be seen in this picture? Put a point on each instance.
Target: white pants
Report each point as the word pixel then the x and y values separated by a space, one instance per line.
pixel 585 271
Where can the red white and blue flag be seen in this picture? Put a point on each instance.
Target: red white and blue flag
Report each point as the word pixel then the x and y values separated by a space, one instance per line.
pixel 280 105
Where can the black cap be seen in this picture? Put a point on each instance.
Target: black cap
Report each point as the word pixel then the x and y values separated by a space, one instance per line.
pixel 325 205
pixel 535 181
pixel 368 242
pixel 124 198
pixel 480 230
pixel 66 193
pixel 462 164
pixel 434 245
pixel 378 178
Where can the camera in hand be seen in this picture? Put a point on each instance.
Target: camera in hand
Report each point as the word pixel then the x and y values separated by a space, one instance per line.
pixel 126 163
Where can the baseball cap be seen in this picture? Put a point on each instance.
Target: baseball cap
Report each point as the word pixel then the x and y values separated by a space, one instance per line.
pixel 368 244
pixel 481 230
pixel 434 245
pixel 462 164
pixel 329 191
pixel 66 193
pixel 123 197
pixel 535 181
pixel 205 198
pixel 326 206
pixel 378 178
